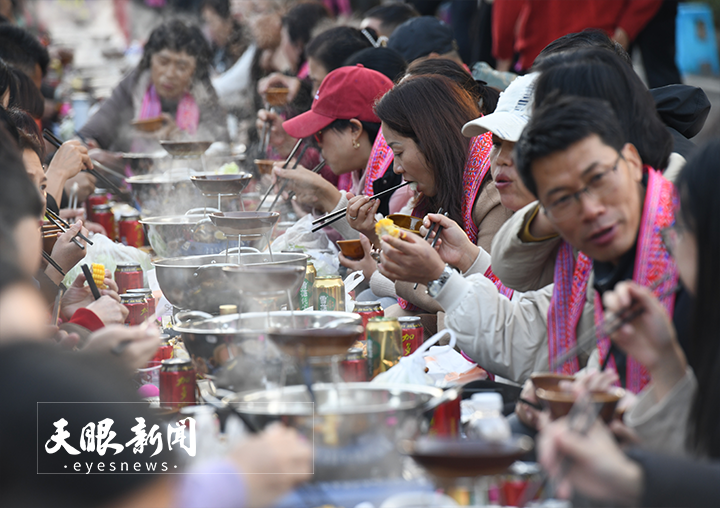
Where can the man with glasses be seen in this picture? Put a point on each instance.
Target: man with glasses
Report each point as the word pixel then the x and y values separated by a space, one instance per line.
pixel 609 209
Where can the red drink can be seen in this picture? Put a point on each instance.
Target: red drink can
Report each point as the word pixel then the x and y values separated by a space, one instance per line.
pixel 149 298
pixel 412 334
pixel 177 383
pixel 98 197
pixel 446 419
pixel 103 215
pixel 130 231
pixel 137 308
pixel 368 310
pixel 353 368
pixel 164 352
pixel 128 276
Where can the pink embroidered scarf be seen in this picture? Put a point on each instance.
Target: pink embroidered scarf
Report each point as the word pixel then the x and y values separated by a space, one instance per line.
pixel 652 263
pixel 187 117
pixel 380 159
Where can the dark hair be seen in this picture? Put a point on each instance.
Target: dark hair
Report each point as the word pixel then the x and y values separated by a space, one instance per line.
pixel 392 15
pixel 19 198
pixel 7 79
pixel 237 41
pixel 698 185
pixel 384 60
pixel 29 137
pixel 20 48
pixel 601 74
pixel 301 19
pixel 484 95
pixel 561 123
pixel 332 47
pixel 98 387
pixel 27 96
pixel 175 35
pixel 371 128
pixel 587 39
pixel 431 110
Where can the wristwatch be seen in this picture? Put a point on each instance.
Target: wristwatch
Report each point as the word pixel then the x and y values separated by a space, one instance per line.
pixel 434 286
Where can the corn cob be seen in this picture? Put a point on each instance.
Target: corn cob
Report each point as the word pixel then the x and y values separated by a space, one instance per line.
pixel 98 273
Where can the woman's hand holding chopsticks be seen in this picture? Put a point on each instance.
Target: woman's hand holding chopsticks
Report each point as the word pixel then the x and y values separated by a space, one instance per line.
pixel 360 215
pixel 71 158
pixel 454 246
pixel 310 189
pixel 65 252
pixel 78 295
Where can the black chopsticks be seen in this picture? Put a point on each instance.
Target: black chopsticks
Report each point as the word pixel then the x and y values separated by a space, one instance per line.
pixel 57 143
pixel 287 161
pixel 64 226
pixel 333 217
pixel 52 262
pixel 91 282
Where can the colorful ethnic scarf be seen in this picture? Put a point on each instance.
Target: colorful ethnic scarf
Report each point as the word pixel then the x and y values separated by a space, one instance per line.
pixel 652 263
pixel 381 157
pixel 187 117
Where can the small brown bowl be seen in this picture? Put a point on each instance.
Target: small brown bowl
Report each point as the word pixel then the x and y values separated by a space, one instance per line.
pixel 406 222
pixel 148 125
pixel 49 242
pixel 277 96
pixel 549 380
pixel 560 402
pixel 264 166
pixel 351 249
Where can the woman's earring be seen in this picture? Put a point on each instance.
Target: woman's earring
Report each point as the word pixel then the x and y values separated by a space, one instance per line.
pixel 356 145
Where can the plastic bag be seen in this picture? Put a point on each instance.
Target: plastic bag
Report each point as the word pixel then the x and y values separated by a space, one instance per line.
pixel 411 369
pixel 322 251
pixel 351 282
pixel 106 252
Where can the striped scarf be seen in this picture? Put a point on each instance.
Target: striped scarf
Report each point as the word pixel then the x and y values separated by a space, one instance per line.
pixel 187 117
pixel 652 263
pixel 380 159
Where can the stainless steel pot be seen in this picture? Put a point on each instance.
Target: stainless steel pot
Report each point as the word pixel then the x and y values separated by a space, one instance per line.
pixel 184 235
pixel 198 282
pixel 230 347
pixel 354 427
pixel 170 193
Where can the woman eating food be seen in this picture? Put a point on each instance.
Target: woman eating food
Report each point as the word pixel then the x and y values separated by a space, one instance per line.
pixel 171 82
pixel 344 125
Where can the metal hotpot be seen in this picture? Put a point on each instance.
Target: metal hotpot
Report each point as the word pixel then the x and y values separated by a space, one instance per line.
pixel 198 282
pixel 235 350
pixel 184 235
pixel 354 427
pixel 170 193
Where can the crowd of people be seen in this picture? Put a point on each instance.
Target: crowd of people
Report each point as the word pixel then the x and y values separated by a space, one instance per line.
pixel 563 193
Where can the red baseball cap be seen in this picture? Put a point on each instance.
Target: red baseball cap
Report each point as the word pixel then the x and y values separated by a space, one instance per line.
pixel 345 93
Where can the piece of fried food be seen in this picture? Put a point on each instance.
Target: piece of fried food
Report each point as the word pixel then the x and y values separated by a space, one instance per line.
pixel 387 227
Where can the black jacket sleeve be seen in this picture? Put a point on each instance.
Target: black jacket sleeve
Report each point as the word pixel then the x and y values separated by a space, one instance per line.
pixel 674 482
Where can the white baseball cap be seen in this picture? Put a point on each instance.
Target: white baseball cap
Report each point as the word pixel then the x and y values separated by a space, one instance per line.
pixel 511 114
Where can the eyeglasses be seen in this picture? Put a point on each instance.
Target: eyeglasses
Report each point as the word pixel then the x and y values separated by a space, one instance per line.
pixel 671 237
pixel 318 137
pixel 601 183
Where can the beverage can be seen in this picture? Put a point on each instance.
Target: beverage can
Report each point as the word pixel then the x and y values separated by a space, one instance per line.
pixel 128 276
pixel 307 291
pixel 130 231
pixel 330 293
pixel 177 383
pixel 137 308
pixel 149 298
pixel 412 334
pixel 384 341
pixel 368 310
pixel 103 215
pixel 353 368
